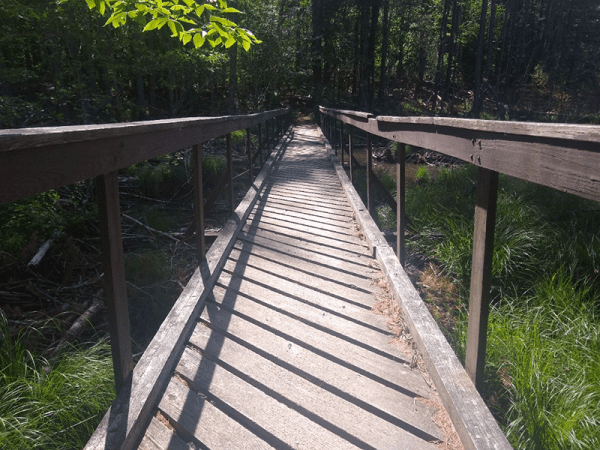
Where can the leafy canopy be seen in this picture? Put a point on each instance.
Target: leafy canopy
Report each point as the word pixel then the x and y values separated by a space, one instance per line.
pixel 189 20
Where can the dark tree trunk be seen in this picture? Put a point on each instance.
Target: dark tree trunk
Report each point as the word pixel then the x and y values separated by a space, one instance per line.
pixel 478 101
pixel 384 52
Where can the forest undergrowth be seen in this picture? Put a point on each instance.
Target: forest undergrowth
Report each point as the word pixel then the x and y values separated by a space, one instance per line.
pixel 542 375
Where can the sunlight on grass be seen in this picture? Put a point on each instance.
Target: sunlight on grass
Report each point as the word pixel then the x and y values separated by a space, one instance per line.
pixel 51 404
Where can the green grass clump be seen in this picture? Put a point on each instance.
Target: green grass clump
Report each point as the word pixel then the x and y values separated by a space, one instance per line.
pixel 543 364
pixel 51 404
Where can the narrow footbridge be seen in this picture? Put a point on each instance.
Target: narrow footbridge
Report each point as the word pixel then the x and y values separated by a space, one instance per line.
pixel 274 343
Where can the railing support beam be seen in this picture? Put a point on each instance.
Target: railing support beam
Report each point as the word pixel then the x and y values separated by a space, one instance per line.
pixel 481 274
pixel 111 243
pixel 400 202
pixel 351 152
pixel 229 171
pixel 369 174
pixel 198 202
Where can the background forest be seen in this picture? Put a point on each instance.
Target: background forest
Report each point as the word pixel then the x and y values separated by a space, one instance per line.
pixel 510 59
pixel 493 59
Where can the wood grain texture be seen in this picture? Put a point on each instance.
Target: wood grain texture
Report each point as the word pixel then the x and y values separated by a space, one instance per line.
pixel 125 422
pixel 472 419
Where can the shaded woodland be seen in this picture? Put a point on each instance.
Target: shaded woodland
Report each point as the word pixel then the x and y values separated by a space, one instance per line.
pixel 507 59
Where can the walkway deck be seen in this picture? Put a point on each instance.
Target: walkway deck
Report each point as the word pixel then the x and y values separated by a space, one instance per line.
pixel 287 352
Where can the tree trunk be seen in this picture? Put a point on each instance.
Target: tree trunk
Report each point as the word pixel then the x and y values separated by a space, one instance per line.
pixel 231 107
pixel 384 51
pixel 478 101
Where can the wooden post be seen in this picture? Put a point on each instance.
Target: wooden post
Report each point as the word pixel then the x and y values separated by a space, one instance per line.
pixel 369 170
pixel 249 150
pixel 198 202
pixel 260 144
pixel 333 137
pixel 111 244
pixel 342 142
pixel 229 171
pixel 481 274
pixel 351 152
pixel 400 202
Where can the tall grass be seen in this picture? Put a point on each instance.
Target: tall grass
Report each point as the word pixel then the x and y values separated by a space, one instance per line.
pixel 51 404
pixel 543 366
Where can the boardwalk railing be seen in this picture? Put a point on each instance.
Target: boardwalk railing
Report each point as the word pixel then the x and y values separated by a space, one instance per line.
pixel 34 160
pixel 562 156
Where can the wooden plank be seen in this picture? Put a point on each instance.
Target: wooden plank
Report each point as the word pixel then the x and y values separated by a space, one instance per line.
pixel 333 221
pixel 195 415
pixel 229 171
pixel 334 201
pixel 303 264
pixel 270 418
pixel 259 284
pixel 481 274
pixel 123 425
pixel 305 224
pixel 314 281
pixel 314 243
pixel 340 208
pixel 160 437
pixel 111 244
pixel 65 155
pixel 345 262
pixel 309 232
pixel 472 419
pixel 371 335
pixel 266 329
pixel 315 208
pixel 369 426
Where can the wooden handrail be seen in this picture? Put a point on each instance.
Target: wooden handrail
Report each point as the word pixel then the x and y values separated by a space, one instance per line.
pixel 34 160
pixel 562 156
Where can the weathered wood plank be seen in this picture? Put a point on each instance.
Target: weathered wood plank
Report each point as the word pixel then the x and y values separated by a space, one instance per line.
pixel 347 417
pixel 314 253
pixel 159 437
pixel 379 366
pixel 307 234
pixel 197 416
pixel 340 208
pixel 298 263
pixel 341 222
pixel 316 208
pixel 317 282
pixel 271 419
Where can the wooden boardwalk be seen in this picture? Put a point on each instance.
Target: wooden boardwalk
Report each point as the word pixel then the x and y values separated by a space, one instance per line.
pixel 287 352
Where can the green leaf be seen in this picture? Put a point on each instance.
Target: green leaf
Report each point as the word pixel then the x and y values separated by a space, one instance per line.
pixel 199 10
pixel 246 45
pixel 210 7
pixel 190 3
pixel 231 10
pixel 172 28
pixel 222 21
pixel 222 4
pixel 230 41
pixel 132 14
pixel 186 38
pixel 102 7
pixel 152 24
pixel 198 40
